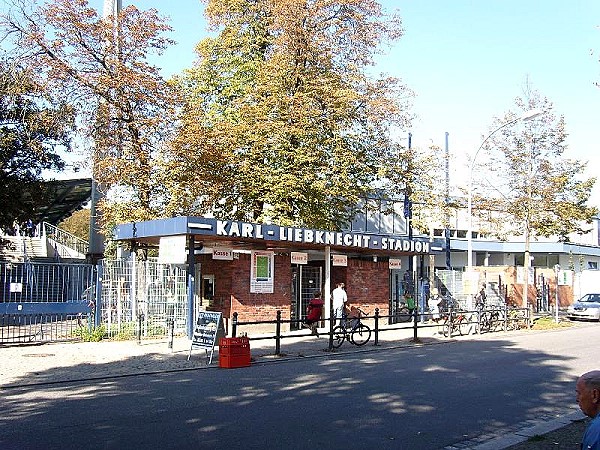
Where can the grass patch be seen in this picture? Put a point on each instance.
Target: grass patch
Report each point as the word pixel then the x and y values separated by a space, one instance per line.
pixel 548 323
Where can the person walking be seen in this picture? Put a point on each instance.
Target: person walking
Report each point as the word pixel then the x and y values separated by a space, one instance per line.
pixel 588 399
pixel 434 304
pixel 339 301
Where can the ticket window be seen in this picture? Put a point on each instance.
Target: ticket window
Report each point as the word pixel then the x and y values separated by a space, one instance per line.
pixel 208 290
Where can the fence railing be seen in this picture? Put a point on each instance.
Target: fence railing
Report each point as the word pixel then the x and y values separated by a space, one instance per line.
pixel 475 322
pixel 65 238
pixel 27 328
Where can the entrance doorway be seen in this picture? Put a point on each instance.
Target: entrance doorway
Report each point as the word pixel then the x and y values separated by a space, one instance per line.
pixel 305 281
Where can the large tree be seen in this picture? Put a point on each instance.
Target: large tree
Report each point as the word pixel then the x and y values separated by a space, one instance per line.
pixel 124 106
pixel 283 120
pixel 531 188
pixel 33 128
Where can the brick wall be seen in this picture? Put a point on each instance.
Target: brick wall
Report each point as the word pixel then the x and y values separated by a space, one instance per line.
pixel 232 282
pixel 368 285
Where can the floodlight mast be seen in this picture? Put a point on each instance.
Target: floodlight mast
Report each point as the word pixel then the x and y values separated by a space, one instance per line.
pixel 111 9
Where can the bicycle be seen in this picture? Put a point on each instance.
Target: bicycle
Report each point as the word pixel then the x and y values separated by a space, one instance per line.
pixel 455 320
pixel 352 330
pixel 517 319
pixel 404 314
pixel 489 319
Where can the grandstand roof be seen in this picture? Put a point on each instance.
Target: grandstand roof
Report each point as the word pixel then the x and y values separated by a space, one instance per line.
pixel 66 197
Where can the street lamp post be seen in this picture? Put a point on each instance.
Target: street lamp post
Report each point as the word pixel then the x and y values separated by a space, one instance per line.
pixel 528 115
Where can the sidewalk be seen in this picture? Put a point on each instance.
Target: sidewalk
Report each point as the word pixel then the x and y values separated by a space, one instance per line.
pixel 24 365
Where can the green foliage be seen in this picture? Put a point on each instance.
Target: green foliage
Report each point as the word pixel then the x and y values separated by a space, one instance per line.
pixel 124 107
pixel 529 187
pixel 78 224
pixel 129 330
pixel 282 122
pixel 93 334
pixel 32 128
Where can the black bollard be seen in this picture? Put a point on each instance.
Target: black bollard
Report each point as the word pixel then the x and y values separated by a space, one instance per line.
pixel 234 321
pixel 278 334
pixel 376 327
pixel 171 325
pixel 139 330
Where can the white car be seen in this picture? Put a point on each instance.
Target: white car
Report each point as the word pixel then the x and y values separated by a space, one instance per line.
pixel 587 307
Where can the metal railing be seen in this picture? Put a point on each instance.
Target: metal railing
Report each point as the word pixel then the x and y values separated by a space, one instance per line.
pixel 65 238
pixel 508 319
pixel 27 328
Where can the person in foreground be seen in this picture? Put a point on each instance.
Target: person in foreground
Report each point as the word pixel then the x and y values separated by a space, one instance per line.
pixel 588 399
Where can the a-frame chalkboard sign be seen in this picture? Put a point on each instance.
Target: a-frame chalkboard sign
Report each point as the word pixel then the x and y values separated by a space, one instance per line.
pixel 209 326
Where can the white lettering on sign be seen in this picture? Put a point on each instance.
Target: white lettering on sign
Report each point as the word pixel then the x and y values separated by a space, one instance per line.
pixel 239 229
pixel 319 237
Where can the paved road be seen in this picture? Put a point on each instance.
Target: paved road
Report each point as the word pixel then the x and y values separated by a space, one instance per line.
pixel 426 397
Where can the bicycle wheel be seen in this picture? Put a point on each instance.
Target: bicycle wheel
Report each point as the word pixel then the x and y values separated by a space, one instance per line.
pixel 485 322
pixel 447 327
pixel 404 315
pixel 496 322
pixel 339 334
pixel 463 325
pixel 361 335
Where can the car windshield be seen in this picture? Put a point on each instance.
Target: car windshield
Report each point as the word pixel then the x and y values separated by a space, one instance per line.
pixel 591 298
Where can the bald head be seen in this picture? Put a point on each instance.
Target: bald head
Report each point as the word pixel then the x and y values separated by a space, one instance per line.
pixel 588 393
pixel 591 379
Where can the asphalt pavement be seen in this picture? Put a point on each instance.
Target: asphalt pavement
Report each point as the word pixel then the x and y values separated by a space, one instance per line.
pixel 56 363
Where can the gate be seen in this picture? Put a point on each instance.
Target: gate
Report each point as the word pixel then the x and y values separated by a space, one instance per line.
pixel 43 301
pixel 142 298
pixel 305 281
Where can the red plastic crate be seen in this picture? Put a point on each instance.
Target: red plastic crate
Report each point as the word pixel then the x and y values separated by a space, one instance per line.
pixel 234 352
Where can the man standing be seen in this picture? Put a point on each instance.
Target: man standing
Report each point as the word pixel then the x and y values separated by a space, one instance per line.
pixel 588 398
pixel 339 300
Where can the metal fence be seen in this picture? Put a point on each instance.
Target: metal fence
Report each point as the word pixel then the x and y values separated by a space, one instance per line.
pixel 43 301
pixel 119 299
pixel 27 328
pixel 142 298
pixel 44 282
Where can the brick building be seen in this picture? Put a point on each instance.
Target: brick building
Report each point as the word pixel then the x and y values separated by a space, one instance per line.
pixel 257 269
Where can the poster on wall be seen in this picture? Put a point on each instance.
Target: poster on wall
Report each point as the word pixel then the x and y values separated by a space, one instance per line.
pixel 262 272
pixel 470 282
pixel 565 278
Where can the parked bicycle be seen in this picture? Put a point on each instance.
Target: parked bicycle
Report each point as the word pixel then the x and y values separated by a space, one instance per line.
pixel 351 329
pixel 455 320
pixel 517 319
pixel 404 314
pixel 489 319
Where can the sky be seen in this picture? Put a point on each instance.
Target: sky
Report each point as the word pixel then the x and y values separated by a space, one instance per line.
pixel 467 60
